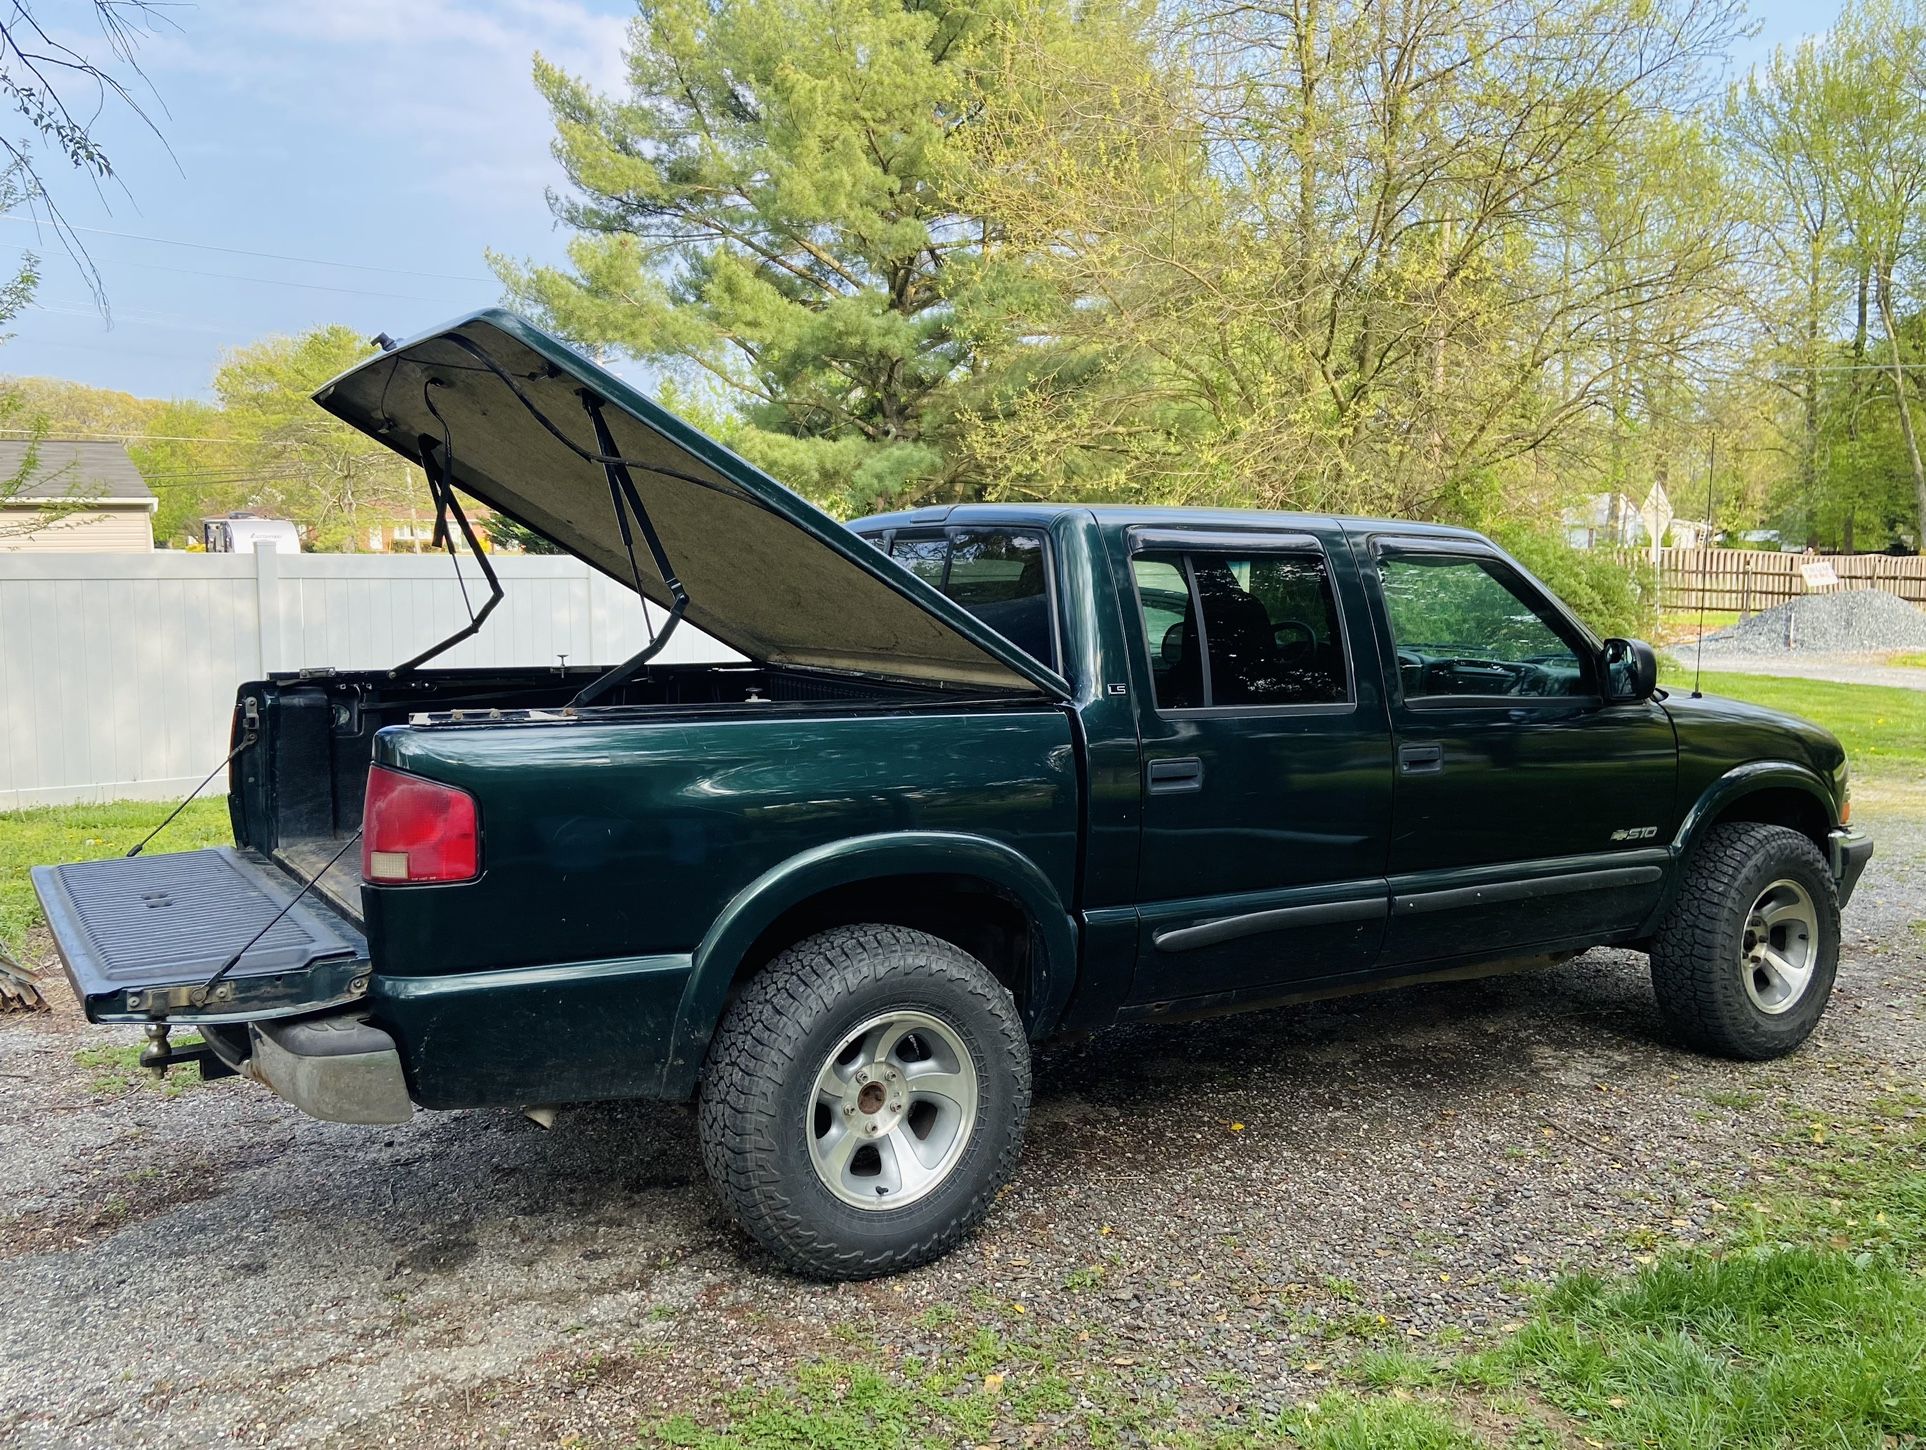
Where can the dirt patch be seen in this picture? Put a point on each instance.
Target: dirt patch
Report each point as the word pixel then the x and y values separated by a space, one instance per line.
pixel 109 1203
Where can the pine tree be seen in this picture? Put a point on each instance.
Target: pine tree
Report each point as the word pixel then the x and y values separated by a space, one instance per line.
pixel 776 216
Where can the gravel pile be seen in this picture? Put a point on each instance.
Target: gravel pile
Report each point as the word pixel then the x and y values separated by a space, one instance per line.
pixel 1852 620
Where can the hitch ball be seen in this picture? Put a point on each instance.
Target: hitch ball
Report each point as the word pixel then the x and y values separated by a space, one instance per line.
pixel 156 1055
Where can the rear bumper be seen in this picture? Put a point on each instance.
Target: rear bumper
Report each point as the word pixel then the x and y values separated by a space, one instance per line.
pixel 1848 851
pixel 342 1069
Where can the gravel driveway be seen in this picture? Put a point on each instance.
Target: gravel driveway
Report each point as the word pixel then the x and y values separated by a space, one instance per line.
pixel 1845 668
pixel 1212 1203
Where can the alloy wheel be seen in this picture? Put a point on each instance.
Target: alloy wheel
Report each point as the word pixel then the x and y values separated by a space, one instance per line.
pixel 892 1110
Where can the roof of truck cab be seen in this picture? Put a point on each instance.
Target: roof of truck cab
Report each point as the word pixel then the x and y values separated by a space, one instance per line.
pixel 1120 516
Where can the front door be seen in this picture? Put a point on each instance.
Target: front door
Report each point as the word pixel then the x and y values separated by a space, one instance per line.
pixel 1267 765
pixel 1527 812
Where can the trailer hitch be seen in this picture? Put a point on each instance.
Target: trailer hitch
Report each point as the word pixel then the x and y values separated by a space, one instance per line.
pixel 160 1054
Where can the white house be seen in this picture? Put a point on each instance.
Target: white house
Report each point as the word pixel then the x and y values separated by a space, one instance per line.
pixel 1613 521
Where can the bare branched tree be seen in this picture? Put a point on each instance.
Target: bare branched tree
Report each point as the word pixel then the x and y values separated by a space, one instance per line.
pixel 62 91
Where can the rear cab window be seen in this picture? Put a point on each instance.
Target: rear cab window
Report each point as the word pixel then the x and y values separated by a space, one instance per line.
pixel 1001 575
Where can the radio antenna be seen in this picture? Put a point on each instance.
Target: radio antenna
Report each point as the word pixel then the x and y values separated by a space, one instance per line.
pixel 1698 663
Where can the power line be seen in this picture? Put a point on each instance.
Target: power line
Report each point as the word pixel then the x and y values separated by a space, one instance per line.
pixel 141 317
pixel 283 282
pixel 269 256
pixel 77 437
pixel 114 348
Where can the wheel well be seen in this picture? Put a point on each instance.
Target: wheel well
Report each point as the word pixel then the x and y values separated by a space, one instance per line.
pixel 974 914
pixel 1780 806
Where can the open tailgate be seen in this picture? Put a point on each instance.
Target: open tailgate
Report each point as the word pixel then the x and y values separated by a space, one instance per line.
pixel 140 937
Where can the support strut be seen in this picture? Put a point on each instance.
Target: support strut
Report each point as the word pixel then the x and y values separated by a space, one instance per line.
pixel 448 506
pixel 628 505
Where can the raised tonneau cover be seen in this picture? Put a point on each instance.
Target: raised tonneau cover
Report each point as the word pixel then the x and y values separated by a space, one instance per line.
pixel 140 937
pixel 507 414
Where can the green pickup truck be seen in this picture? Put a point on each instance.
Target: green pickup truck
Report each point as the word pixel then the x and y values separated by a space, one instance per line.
pixel 970 777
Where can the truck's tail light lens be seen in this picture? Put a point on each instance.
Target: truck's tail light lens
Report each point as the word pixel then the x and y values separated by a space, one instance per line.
pixel 417 830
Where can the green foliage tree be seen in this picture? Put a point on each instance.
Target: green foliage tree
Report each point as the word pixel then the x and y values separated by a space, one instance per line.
pixel 292 458
pixel 1429 260
pixel 778 212
pixel 196 465
pixel 1831 137
pixel 16 414
pixel 1877 110
pixel 1778 124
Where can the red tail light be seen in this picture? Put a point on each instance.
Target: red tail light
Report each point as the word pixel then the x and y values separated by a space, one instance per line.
pixel 417 830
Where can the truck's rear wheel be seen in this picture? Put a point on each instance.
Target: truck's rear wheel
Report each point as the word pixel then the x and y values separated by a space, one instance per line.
pixel 1744 962
pixel 864 1100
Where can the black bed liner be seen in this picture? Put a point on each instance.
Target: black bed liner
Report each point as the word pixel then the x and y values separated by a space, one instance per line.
pixel 140 937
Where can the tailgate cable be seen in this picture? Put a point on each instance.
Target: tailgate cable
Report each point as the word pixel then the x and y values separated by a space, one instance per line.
pixel 275 920
pixel 440 474
pixel 628 503
pixel 232 755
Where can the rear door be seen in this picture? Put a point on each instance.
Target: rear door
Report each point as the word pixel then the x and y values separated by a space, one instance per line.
pixel 1527 811
pixel 1267 767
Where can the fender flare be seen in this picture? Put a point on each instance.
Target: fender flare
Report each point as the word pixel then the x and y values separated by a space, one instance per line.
pixel 1736 784
pixel 850 862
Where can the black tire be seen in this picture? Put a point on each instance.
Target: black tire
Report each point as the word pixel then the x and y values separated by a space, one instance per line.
pixel 1699 969
pixel 760 1082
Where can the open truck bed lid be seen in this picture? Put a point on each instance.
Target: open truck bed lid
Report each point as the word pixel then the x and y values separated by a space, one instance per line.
pixel 766 572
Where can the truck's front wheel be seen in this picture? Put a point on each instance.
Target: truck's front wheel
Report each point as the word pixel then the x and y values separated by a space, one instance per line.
pixel 864 1100
pixel 1744 962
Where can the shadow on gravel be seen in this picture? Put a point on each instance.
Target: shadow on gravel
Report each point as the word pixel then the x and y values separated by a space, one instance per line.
pixel 1136 1097
pixel 623 1181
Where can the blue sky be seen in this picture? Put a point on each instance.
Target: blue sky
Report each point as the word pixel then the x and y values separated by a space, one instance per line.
pixel 348 161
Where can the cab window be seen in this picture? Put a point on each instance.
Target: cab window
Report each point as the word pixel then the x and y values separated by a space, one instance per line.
pixel 1463 627
pixel 998 575
pixel 925 558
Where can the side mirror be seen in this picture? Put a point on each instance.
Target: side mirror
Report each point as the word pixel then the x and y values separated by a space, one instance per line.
pixel 1629 671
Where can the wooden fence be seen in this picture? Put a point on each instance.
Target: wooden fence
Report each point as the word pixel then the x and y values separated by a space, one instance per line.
pixel 118 671
pixel 1747 581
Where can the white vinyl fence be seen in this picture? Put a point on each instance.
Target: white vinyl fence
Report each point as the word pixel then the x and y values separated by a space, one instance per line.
pixel 118 671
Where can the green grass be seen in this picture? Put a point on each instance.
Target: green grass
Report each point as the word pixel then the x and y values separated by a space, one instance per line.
pixel 1915 660
pixel 1807 1327
pixel 1033 1393
pixel 1789 1347
pixel 1802 1328
pixel 1880 725
pixel 117 1070
pixel 51 834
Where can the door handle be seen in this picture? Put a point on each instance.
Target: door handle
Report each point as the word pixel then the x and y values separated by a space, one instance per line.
pixel 1172 777
pixel 1420 759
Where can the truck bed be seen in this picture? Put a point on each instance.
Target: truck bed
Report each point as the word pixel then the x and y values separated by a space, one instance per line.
pixel 296 794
